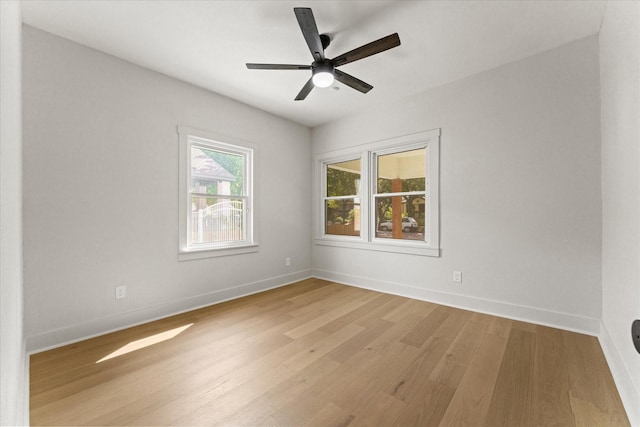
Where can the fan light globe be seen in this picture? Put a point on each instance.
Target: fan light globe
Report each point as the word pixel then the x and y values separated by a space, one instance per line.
pixel 323 79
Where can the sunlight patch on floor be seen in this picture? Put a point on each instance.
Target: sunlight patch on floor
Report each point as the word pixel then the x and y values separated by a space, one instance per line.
pixel 146 342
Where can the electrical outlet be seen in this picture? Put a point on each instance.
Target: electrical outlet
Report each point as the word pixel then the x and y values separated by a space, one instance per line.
pixel 457 276
pixel 121 292
pixel 287 262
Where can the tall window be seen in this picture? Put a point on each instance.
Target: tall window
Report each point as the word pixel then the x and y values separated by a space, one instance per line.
pixel 382 195
pixel 342 200
pixel 216 193
pixel 400 194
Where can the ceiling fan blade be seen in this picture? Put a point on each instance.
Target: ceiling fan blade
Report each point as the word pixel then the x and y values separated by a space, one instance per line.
pixel 310 31
pixel 368 49
pixel 277 67
pixel 305 90
pixel 351 81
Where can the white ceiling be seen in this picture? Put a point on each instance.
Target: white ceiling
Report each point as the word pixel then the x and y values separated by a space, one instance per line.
pixel 207 43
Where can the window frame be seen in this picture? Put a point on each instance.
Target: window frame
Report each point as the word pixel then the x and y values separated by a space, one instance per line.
pixel 368 153
pixel 189 138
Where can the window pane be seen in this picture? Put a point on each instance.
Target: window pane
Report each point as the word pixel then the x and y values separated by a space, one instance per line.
pixel 216 220
pixel 343 179
pixel 407 224
pixel 216 172
pixel 343 217
pixel 402 172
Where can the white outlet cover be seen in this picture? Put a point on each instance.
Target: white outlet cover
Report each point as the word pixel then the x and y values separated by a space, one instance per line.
pixel 457 276
pixel 121 292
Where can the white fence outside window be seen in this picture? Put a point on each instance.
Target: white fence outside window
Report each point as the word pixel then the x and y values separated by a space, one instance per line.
pixel 220 222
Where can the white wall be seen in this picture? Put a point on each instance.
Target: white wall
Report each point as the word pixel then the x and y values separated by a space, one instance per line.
pixel 519 185
pixel 620 110
pixel 14 378
pixel 101 193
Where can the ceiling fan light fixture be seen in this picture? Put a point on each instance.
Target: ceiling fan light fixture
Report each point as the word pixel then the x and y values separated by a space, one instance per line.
pixel 323 74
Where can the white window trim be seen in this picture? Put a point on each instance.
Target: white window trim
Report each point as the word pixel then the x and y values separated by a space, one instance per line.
pixel 188 137
pixel 366 152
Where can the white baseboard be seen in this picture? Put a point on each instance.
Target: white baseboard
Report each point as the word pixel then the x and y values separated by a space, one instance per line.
pixel 628 393
pixel 570 322
pixel 104 325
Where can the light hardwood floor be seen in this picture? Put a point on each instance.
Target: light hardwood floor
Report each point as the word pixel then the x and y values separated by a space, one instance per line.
pixel 323 354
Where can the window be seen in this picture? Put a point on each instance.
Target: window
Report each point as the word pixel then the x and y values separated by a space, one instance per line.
pixel 399 195
pixel 382 196
pixel 216 195
pixel 341 200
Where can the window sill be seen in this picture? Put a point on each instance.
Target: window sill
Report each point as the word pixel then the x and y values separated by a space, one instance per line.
pixel 188 255
pixel 399 248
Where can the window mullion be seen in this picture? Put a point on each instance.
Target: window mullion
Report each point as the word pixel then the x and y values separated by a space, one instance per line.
pixel 402 193
pixel 354 196
pixel 218 196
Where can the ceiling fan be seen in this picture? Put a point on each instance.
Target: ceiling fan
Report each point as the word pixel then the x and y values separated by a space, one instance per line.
pixel 324 70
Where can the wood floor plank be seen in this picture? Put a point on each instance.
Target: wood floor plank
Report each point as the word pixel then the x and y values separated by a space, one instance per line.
pixel 470 403
pixel 409 388
pixel 381 312
pixel 216 405
pixel 395 332
pixel 515 380
pixel 381 410
pixel 330 295
pixel 331 415
pixel 498 326
pixel 322 347
pixel 463 349
pixel 551 402
pixel 354 316
pixel 430 355
pixel 418 335
pixel 359 365
pixel 409 306
pixel 387 369
pixel 321 353
pixel 271 405
pixel 427 405
pixel 321 320
pixel 359 342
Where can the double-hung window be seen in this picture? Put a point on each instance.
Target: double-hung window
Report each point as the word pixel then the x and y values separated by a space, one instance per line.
pixel 216 195
pixel 382 196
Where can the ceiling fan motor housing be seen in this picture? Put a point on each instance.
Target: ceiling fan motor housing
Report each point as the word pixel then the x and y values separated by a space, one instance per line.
pixel 322 66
